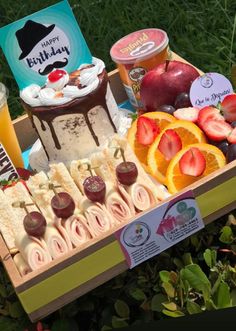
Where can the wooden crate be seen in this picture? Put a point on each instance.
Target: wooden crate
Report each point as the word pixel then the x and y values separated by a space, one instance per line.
pixel 81 270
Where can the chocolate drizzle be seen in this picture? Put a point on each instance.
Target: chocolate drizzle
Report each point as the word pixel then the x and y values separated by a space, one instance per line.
pixel 91 129
pixel 80 105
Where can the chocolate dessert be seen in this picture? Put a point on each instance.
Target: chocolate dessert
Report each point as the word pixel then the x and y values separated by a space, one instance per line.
pixel 75 114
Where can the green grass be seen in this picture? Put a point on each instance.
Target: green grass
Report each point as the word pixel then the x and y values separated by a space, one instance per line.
pixel 202 31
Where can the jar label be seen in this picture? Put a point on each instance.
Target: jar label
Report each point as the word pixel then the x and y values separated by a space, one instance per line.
pixel 7 169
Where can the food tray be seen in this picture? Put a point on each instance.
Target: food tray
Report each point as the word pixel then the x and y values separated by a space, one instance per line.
pixel 81 270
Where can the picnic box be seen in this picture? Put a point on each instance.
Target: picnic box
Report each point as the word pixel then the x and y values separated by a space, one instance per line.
pixel 81 270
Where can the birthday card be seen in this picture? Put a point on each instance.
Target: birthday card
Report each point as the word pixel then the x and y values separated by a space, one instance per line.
pixel 46 40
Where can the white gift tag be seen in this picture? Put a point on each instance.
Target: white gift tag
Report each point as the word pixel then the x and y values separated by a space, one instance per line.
pixel 209 89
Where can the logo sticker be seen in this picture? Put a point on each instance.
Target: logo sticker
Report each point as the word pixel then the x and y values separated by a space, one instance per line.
pixel 136 234
pixel 159 229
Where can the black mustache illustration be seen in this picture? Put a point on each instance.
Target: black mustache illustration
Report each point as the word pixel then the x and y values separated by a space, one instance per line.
pixel 55 65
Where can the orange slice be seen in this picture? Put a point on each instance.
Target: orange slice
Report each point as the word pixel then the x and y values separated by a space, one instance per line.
pixel 176 181
pixel 189 133
pixel 162 119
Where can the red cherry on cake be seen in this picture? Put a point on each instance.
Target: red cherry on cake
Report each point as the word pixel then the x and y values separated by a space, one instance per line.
pixel 63 205
pixel 55 75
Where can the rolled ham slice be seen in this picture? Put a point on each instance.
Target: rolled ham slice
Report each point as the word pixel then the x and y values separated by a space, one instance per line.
pixel 21 264
pixel 77 229
pixel 34 251
pixel 56 244
pixel 38 186
pixel 98 218
pixel 117 201
pixel 118 205
pixel 141 196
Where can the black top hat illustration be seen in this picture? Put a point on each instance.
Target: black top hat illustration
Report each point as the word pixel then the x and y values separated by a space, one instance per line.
pixel 29 36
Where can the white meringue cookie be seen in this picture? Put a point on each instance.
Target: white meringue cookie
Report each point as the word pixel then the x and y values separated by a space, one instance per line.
pixel 30 95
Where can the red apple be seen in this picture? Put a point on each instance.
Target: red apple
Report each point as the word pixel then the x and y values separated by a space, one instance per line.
pixel 161 85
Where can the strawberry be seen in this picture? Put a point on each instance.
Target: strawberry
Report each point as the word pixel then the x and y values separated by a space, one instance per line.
pixel 232 136
pixel 209 112
pixel 4 184
pixel 188 114
pixel 170 143
pixel 24 173
pixel 228 107
pixel 192 163
pixel 147 130
pixel 216 130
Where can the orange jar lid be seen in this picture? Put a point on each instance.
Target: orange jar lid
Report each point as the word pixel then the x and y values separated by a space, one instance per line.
pixel 139 45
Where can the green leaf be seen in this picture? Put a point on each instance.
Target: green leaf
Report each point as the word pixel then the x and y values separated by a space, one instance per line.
pixel 170 306
pixel 233 296
pixel 137 294
pixel 176 313
pixel 210 305
pixel 118 322
pixel 216 284
pixel 233 75
pixel 196 279
pixel 194 241
pixel 168 287
pixel 179 264
pixel 207 257
pixel 122 309
pixel 185 285
pixel 106 328
pixel 15 309
pixel 164 276
pixel 213 256
pixel 187 259
pixel 8 324
pixel 3 291
pixel 65 325
pixel 133 116
pixel 156 303
pixel 174 277
pixel 223 298
pixel 193 307
pixel 226 235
